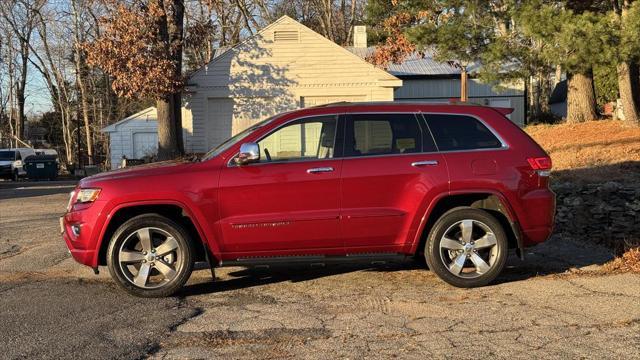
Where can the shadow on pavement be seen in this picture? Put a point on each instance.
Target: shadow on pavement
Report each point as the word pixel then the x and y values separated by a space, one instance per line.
pixel 556 256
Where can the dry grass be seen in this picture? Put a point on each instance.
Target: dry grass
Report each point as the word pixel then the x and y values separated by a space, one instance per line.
pixel 628 262
pixel 594 151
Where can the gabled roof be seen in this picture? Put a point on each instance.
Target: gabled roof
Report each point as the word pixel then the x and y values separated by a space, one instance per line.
pixel 218 55
pixel 148 114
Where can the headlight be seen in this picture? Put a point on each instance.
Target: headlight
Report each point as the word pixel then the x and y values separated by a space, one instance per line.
pixel 87 195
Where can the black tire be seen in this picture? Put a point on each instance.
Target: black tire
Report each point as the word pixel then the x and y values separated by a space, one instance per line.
pixel 16 176
pixel 450 223
pixel 119 272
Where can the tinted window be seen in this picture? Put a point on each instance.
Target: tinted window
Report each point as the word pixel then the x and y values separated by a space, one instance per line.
pixel 310 139
pixel 379 134
pixel 459 132
pixel 7 155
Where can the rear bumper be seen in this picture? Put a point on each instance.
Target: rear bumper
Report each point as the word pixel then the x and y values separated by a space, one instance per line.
pixel 537 222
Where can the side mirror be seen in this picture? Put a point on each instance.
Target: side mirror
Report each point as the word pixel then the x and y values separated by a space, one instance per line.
pixel 249 153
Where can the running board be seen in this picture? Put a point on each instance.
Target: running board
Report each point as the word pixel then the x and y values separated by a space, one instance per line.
pixel 315 260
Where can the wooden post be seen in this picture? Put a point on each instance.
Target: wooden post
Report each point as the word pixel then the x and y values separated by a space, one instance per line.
pixel 463 85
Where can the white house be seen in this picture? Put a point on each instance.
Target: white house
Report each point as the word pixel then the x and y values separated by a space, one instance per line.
pixel 286 66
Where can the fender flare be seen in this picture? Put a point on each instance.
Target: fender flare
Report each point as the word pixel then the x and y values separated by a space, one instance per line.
pixel 210 245
pixel 510 214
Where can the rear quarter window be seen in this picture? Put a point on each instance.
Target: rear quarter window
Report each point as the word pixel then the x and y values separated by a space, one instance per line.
pixel 461 132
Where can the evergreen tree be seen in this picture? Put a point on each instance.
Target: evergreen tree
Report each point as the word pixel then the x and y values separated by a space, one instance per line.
pixel 519 39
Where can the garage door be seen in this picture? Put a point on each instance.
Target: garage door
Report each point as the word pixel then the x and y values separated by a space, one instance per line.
pixel 144 144
pixel 219 121
pixel 307 101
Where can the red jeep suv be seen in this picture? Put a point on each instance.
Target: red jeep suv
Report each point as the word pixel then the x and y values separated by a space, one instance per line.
pixel 460 185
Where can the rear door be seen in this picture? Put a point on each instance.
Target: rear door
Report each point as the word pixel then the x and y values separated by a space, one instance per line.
pixel 474 152
pixel 391 171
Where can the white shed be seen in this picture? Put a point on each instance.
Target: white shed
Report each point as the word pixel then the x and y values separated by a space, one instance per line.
pixel 135 136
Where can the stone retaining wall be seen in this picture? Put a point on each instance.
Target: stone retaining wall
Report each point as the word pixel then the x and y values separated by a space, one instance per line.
pixel 607 213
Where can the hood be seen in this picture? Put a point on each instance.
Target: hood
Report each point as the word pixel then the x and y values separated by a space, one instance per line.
pixel 152 169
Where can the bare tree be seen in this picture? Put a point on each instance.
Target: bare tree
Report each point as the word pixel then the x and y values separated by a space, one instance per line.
pixel 77 7
pixel 20 15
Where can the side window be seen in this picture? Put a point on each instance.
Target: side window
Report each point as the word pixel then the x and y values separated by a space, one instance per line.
pixel 306 139
pixel 460 132
pixel 380 134
pixel 18 156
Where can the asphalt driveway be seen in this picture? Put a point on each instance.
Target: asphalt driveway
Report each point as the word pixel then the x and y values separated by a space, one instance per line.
pixel 556 304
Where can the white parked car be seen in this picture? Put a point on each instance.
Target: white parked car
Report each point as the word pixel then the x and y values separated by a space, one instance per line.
pixel 11 162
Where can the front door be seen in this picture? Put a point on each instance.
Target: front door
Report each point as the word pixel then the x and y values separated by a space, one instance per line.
pixel 287 203
pixel 391 170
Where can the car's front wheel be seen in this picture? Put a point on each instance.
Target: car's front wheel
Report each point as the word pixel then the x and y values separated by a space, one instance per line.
pixel 467 247
pixel 150 256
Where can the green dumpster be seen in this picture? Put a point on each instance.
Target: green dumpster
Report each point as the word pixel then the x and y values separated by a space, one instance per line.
pixel 39 167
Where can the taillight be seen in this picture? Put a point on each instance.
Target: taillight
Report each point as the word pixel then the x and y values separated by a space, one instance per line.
pixel 542 165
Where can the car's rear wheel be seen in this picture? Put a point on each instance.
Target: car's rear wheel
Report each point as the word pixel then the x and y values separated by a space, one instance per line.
pixel 150 256
pixel 467 247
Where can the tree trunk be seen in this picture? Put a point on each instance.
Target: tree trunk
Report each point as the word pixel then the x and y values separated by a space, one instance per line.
pixel 558 75
pixel 170 143
pixel 627 97
pixel 634 72
pixel 20 90
pixel 168 132
pixel 545 93
pixel 581 98
pixel 80 68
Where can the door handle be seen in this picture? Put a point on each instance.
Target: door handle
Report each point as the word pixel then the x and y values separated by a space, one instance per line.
pixel 425 163
pixel 319 170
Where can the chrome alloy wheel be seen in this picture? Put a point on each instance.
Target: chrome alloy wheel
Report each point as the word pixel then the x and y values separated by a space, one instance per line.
pixel 469 248
pixel 150 257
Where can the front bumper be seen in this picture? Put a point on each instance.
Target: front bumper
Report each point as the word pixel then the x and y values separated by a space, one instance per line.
pixel 83 242
pixel 6 171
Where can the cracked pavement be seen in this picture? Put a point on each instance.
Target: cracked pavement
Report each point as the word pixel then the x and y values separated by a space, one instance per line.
pixel 555 304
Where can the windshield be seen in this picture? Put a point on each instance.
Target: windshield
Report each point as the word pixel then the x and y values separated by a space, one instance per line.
pixel 234 139
pixel 7 155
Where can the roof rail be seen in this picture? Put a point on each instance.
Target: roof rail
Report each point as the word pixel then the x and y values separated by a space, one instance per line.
pixel 337 103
